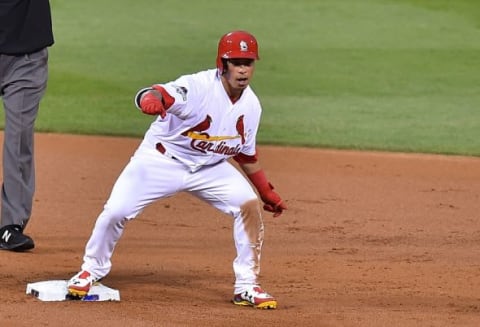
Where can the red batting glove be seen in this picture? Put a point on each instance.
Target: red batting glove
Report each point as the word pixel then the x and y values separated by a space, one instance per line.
pixel 272 201
pixel 152 105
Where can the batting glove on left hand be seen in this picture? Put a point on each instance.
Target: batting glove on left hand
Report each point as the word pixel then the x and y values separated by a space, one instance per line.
pixel 272 201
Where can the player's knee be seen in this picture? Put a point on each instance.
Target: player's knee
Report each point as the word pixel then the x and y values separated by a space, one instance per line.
pixel 112 215
pixel 251 208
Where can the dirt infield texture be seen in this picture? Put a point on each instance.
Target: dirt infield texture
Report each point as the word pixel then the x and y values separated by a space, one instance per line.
pixel 370 239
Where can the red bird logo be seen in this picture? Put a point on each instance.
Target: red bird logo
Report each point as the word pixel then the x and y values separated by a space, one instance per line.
pixel 241 128
pixel 203 126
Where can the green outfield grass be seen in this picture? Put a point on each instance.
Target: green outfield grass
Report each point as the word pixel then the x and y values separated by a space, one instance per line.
pixel 394 75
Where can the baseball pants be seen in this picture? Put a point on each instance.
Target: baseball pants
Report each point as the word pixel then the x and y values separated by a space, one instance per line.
pixel 150 176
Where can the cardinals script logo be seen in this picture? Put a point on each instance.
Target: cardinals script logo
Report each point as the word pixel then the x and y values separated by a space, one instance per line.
pixel 204 142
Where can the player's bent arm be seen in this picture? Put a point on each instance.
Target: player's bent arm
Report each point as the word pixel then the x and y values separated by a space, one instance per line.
pixel 250 168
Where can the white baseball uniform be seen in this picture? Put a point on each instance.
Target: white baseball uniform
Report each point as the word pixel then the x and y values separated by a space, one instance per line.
pixel 187 151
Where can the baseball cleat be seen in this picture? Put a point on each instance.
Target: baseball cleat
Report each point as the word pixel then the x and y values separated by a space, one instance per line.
pixel 13 239
pixel 79 285
pixel 255 297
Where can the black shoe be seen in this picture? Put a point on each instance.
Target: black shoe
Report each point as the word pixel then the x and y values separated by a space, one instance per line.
pixel 13 239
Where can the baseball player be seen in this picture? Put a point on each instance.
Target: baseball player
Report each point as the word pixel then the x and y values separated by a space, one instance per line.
pixel 203 119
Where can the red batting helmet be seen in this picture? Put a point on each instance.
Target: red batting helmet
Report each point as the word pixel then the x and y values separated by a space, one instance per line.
pixel 236 44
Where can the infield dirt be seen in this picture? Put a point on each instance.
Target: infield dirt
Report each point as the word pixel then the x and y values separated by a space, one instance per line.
pixel 370 239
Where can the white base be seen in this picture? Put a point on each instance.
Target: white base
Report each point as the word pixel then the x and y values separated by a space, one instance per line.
pixel 56 290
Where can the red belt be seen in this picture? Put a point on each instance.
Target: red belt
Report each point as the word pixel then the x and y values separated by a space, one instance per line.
pixel 162 150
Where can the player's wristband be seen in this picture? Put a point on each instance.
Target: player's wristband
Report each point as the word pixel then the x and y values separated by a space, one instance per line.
pixel 259 180
pixel 138 96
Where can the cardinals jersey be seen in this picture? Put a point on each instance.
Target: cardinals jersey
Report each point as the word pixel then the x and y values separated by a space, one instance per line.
pixel 203 126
